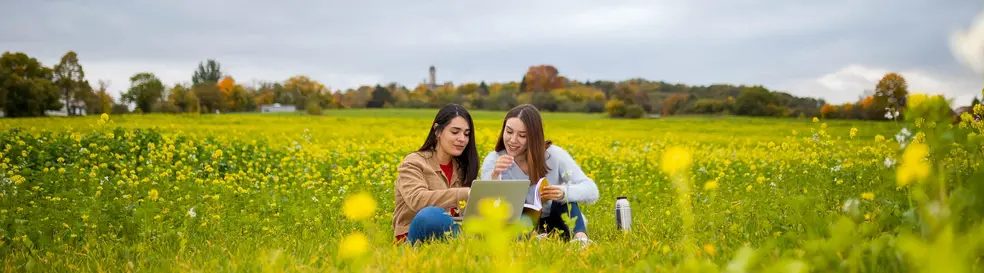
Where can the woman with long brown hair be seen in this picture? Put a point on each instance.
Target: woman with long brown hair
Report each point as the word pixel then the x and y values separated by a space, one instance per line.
pixel 522 152
pixel 433 179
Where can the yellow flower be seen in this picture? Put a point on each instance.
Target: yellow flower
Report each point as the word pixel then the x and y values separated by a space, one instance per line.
pixel 359 206
pixel 104 117
pixel 152 194
pixel 914 167
pixel 353 245
pixel 879 138
pixel 854 132
pixel 914 100
pixel 710 249
pixel 710 185
pixel 868 195
pixel 676 159
pixel 494 210
pixel 760 180
pixel 815 120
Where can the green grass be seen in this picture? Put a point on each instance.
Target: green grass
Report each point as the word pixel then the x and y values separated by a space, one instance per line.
pixel 79 196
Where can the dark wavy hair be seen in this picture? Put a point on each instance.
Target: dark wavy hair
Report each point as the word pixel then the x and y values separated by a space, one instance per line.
pixel 468 160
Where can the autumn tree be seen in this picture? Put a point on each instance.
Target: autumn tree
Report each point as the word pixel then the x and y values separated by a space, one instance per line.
pixel 543 78
pixel 615 108
pixel 194 105
pixel 847 111
pixel 891 92
pixel 227 87
pixel 235 97
pixel 632 94
pixel 313 106
pixel 208 96
pixel 69 77
pixel 145 90
pixel 468 89
pixel 870 110
pixel 243 96
pixel 400 93
pixel 26 87
pixel 674 104
pixel 358 97
pixel 266 93
pixel 827 111
pixel 302 87
pixel 419 97
pixel 178 96
pixel 445 94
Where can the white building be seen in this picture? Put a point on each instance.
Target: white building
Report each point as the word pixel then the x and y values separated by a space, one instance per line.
pixel 277 108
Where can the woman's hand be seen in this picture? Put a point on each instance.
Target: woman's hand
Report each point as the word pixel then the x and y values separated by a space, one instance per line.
pixel 501 165
pixel 552 192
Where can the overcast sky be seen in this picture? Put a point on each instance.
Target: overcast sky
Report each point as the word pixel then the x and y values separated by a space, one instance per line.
pixel 832 49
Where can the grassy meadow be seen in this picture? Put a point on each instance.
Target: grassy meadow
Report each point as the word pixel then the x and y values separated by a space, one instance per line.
pixel 286 192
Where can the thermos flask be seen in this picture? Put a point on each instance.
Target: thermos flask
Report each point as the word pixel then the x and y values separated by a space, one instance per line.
pixel 623 214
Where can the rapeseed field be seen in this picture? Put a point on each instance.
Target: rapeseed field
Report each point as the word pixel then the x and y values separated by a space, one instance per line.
pixel 275 193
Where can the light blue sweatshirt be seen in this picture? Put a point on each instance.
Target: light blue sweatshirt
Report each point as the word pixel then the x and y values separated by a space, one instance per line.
pixel 563 171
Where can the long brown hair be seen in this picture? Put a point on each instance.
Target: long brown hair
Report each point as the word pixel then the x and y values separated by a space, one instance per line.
pixel 468 160
pixel 536 145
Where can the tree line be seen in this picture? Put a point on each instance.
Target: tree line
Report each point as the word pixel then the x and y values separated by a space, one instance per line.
pixel 888 100
pixel 28 88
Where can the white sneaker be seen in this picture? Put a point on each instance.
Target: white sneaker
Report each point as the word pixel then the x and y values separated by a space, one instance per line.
pixel 584 242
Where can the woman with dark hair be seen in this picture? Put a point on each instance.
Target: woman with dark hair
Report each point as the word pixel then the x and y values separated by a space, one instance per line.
pixel 523 153
pixel 435 178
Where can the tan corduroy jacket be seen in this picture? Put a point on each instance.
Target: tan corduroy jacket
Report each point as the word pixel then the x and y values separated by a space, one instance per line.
pixel 421 183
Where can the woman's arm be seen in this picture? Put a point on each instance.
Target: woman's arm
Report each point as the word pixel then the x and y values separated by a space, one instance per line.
pixel 580 188
pixel 488 165
pixel 411 184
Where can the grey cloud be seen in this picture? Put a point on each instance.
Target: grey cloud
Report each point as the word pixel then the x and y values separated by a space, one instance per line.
pixel 767 42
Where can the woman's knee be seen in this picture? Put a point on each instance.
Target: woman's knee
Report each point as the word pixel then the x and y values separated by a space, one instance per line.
pixel 430 223
pixel 430 212
pixel 581 223
pixel 431 216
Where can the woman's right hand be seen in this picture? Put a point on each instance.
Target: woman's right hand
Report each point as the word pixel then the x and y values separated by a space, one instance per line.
pixel 501 165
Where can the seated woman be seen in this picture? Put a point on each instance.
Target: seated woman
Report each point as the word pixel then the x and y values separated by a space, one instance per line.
pixel 435 178
pixel 522 153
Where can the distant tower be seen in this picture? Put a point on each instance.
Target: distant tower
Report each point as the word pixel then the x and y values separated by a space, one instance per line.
pixel 433 76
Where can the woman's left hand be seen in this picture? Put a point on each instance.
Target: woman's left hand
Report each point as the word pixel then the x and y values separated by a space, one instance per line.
pixel 552 192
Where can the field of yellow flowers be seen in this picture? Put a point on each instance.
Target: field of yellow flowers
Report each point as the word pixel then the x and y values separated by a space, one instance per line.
pixel 273 193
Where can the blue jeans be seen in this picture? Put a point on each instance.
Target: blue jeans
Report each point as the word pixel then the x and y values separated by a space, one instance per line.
pixel 431 223
pixel 555 222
